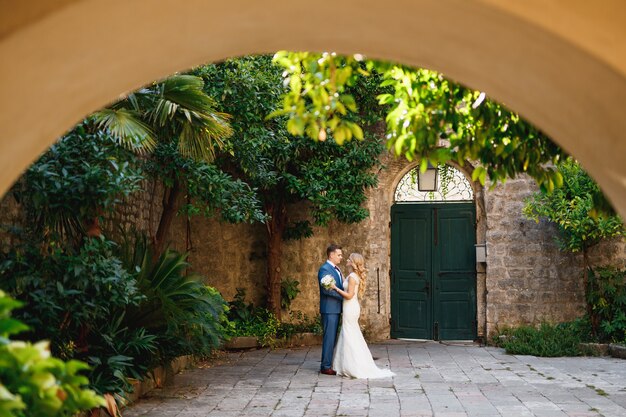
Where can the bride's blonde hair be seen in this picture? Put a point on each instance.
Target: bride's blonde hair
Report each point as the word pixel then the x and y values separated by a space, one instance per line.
pixel 358 265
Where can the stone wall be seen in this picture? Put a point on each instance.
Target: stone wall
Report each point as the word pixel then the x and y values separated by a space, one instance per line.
pixel 529 280
pixel 10 218
pixel 232 256
pixel 526 279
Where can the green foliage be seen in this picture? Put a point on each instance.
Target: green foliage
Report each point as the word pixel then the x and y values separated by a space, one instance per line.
pixel 31 382
pixel 209 190
pixel 548 340
pixel 317 98
pixel 571 209
pixel 606 295
pixel 186 315
pixel 81 177
pixel 282 167
pixel 299 322
pixel 288 292
pixel 176 121
pixel 173 109
pixel 119 354
pixel 423 107
pixel 248 320
pixel 78 301
pixel 285 169
pixel 238 309
pixel 69 296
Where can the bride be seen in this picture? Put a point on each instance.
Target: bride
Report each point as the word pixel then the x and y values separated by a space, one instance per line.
pixel 352 356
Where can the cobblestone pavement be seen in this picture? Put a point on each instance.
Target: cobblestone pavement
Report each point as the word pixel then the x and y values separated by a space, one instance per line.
pixel 433 379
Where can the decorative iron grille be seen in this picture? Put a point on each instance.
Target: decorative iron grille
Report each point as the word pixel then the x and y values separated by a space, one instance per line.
pixel 452 186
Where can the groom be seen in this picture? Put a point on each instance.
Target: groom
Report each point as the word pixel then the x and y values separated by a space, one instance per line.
pixel 330 306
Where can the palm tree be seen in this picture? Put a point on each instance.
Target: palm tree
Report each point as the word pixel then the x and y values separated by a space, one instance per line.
pixel 175 109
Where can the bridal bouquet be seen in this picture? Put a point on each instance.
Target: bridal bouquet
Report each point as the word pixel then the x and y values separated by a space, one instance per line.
pixel 327 281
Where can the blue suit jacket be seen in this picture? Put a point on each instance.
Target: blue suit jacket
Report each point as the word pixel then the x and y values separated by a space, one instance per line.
pixel 330 300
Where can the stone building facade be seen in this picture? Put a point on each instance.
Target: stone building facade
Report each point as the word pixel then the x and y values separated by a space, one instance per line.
pixel 526 279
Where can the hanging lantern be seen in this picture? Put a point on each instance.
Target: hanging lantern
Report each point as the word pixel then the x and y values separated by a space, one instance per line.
pixel 428 180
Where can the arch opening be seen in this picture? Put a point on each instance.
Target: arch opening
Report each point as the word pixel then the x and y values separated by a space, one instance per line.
pixel 556 47
pixel 452 185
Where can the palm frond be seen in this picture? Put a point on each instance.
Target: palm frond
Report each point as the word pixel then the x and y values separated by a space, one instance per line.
pixel 127 129
pixel 187 91
pixel 201 139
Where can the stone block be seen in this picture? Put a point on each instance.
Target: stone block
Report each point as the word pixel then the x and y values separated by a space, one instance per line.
pixel 242 342
pixel 617 351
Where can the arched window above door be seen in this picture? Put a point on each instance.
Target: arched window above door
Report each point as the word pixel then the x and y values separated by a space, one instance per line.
pixel 451 186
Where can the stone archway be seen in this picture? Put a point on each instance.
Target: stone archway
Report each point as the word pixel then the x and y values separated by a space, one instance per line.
pixel 562 65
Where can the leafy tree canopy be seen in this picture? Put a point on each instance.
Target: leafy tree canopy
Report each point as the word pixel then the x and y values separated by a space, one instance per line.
pixel 569 207
pixel 173 109
pixel 284 167
pixel 280 165
pixel 82 176
pixel 428 117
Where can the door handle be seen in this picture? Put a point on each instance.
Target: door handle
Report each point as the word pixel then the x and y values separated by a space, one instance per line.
pixel 427 287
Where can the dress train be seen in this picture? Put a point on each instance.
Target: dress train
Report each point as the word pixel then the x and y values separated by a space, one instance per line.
pixel 352 356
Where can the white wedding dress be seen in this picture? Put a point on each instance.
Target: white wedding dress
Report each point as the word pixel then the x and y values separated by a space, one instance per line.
pixel 352 356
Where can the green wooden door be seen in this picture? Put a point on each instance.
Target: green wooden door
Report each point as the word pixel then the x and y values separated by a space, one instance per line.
pixel 433 271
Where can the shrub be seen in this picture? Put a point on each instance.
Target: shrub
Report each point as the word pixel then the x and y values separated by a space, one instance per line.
pixel 606 295
pixel 31 382
pixel 299 323
pixel 77 301
pixel 69 296
pixel 248 320
pixel 187 315
pixel 548 340
pixel 288 292
pixel 80 178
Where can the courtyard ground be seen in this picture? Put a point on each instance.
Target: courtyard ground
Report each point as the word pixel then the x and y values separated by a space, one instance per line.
pixel 432 379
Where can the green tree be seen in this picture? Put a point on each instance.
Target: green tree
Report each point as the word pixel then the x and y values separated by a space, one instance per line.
pixel 429 117
pixel 173 109
pixel 193 187
pixel 71 187
pixel 571 209
pixel 286 169
pixel 178 124
pixel 31 382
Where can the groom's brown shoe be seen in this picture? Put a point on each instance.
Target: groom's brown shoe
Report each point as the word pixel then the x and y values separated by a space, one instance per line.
pixel 328 371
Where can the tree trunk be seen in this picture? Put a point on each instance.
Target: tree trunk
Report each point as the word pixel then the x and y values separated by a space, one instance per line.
pixel 275 229
pixel 170 207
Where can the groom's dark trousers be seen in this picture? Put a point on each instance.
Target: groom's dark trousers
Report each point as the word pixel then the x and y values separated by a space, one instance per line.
pixel 330 309
pixel 330 324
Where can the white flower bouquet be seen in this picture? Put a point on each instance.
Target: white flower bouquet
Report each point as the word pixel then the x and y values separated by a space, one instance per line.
pixel 327 281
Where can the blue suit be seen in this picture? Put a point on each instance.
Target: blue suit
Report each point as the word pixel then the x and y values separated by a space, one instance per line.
pixel 331 303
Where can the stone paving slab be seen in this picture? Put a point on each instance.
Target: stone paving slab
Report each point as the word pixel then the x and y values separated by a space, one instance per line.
pixel 432 379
